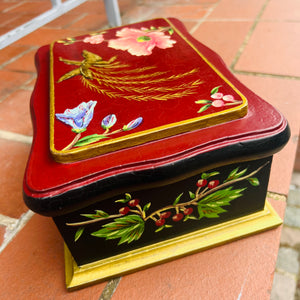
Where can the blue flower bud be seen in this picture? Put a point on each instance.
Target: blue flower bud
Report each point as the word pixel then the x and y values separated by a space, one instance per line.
pixel 133 124
pixel 109 121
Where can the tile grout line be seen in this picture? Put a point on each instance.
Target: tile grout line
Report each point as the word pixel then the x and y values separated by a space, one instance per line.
pixel 110 288
pixel 16 137
pixel 203 19
pixel 76 19
pixel 248 36
pixel 12 231
pixel 21 87
pixel 276 196
pixel 8 221
pixel 14 58
pixel 260 74
pixel 13 7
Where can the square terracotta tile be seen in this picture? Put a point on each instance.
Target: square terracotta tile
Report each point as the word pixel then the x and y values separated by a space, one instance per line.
pixel 10 81
pixel 17 19
pixel 239 270
pixel 223 37
pixel 11 51
pixel 3 30
pixel 236 9
pixel 182 12
pixel 125 5
pixel 5 19
pixel 30 84
pixel 91 22
pixel 288 10
pixel 272 49
pixel 31 7
pixel 282 94
pixel 32 265
pixel 138 14
pixel 178 2
pixel 5 6
pixel 15 113
pixel 64 21
pixel 96 7
pixel 45 36
pixel 13 157
pixel 25 63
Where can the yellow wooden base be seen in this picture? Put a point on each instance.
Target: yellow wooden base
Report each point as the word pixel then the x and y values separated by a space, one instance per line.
pixel 77 277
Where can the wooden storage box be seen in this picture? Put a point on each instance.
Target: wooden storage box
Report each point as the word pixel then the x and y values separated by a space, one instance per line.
pixel 146 148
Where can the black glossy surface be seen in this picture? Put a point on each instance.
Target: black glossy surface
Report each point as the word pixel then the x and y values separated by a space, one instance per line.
pixel 89 248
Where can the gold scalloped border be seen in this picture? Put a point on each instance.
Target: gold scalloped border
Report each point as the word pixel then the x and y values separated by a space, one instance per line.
pixel 145 136
pixel 104 269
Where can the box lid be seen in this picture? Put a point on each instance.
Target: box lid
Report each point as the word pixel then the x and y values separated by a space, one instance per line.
pixel 150 149
pixel 130 85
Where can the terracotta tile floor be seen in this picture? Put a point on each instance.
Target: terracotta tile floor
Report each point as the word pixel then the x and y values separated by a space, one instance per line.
pixel 258 39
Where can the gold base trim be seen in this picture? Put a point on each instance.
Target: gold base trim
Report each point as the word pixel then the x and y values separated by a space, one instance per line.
pixel 104 269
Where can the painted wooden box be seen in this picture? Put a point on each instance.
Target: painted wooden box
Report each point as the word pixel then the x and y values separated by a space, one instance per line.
pixel 146 148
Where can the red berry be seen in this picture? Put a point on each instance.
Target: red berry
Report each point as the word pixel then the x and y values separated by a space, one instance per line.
pixel 177 217
pixel 165 215
pixel 134 202
pixel 160 222
pixel 201 183
pixel 188 211
pixel 124 210
pixel 213 184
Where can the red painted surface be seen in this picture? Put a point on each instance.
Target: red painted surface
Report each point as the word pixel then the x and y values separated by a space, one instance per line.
pixel 44 177
pixel 162 95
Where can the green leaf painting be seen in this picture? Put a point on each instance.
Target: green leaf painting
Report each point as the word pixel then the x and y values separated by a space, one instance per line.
pixel 211 205
pixel 203 108
pixel 215 90
pixel 177 199
pixel 210 199
pixel 89 139
pixel 254 181
pixel 127 229
pixel 78 233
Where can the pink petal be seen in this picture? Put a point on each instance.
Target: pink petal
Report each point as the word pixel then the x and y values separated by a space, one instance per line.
pixel 131 40
pixel 218 103
pixel 217 96
pixel 161 41
pixel 229 98
pixel 95 39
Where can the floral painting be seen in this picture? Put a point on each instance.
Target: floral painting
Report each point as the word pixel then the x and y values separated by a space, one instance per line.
pixel 142 41
pixel 119 80
pixel 79 118
pixel 138 42
pixel 208 200
pixel 218 99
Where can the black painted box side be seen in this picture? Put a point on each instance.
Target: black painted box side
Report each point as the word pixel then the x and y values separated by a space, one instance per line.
pixel 241 190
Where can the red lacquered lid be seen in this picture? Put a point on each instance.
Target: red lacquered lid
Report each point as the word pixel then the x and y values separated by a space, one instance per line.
pixel 126 86
pixel 134 106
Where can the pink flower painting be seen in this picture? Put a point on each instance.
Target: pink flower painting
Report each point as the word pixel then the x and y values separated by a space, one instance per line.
pixel 218 100
pixel 141 42
pixel 94 39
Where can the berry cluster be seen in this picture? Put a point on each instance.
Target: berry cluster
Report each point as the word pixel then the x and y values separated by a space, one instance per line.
pixel 203 182
pixel 186 211
pixel 176 218
pixel 125 209
pixel 181 211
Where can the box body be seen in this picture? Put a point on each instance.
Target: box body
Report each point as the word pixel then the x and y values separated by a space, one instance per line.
pixel 140 218
pixel 140 157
